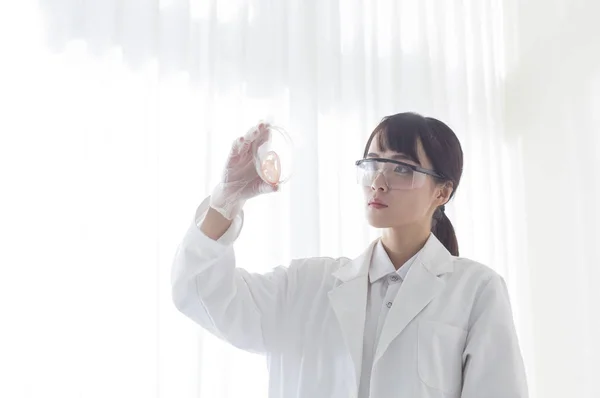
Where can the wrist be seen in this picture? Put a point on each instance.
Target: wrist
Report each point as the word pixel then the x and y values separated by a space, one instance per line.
pixel 215 224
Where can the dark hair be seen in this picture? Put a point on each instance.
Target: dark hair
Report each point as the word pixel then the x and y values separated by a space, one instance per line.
pixel 401 132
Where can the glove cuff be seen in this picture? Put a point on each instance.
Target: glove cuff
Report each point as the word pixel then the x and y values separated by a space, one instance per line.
pixel 222 203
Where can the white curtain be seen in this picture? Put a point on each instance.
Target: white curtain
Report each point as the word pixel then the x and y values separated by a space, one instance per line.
pixel 117 117
pixel 553 98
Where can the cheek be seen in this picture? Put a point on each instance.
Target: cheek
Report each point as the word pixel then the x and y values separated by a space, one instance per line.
pixel 405 201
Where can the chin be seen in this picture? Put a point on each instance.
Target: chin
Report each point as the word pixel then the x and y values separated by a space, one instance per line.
pixel 378 220
pixel 390 218
pixel 379 225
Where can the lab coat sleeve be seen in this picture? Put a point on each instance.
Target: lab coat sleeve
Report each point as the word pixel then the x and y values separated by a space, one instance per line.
pixel 493 365
pixel 245 309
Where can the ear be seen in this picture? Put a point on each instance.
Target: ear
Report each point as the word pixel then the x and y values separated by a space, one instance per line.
pixel 444 192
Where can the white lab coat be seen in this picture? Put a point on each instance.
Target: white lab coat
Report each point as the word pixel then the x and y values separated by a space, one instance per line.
pixel 450 334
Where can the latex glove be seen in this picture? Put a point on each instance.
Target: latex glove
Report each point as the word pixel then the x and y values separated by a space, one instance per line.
pixel 240 181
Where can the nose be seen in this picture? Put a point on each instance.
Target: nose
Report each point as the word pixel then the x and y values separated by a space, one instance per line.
pixel 379 183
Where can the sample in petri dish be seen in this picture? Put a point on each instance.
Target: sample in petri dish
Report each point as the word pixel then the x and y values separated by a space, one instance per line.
pixel 273 158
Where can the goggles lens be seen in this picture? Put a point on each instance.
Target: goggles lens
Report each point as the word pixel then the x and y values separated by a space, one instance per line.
pixel 396 176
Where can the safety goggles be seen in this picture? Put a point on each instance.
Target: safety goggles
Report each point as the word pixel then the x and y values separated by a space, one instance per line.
pixel 397 175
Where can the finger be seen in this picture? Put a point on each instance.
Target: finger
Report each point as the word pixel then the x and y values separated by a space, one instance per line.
pixel 240 153
pixel 243 145
pixel 236 147
pixel 264 135
pixel 252 133
pixel 259 131
pixel 262 187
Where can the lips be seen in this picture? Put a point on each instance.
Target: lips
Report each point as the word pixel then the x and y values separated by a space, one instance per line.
pixel 377 203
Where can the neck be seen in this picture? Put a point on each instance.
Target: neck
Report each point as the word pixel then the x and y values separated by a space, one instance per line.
pixel 403 243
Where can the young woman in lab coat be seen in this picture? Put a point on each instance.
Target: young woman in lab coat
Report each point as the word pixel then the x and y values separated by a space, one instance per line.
pixel 406 319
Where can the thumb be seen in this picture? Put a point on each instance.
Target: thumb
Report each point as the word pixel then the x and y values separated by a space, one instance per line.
pixel 263 187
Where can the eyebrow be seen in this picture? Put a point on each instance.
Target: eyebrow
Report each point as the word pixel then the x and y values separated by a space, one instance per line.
pixel 398 156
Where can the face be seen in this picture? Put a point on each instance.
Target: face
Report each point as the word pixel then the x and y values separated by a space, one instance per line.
pixel 403 207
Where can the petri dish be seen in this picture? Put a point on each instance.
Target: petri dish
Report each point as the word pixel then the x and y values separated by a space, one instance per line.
pixel 273 158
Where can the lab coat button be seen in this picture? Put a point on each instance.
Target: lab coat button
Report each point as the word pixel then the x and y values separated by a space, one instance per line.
pixel 394 278
pixel 389 304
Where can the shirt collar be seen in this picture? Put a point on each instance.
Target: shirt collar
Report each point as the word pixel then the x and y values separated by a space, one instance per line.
pixel 381 265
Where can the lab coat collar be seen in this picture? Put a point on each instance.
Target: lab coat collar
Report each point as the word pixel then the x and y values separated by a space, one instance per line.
pixel 349 297
pixel 359 267
pixel 433 256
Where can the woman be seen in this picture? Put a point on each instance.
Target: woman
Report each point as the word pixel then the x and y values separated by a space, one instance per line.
pixel 408 318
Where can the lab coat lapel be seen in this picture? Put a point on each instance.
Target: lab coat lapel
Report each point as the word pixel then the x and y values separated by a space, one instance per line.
pixel 349 302
pixel 421 285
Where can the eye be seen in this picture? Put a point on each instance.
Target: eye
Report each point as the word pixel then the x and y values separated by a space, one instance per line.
pixel 402 169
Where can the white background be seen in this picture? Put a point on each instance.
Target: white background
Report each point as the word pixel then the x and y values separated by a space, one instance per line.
pixel 116 117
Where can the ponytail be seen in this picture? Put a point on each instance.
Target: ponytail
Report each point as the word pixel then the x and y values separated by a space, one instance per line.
pixel 443 230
